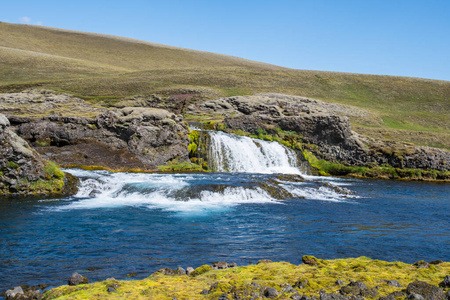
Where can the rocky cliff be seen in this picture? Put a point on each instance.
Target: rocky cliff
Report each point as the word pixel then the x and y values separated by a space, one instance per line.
pixel 24 172
pixel 325 133
pixel 73 132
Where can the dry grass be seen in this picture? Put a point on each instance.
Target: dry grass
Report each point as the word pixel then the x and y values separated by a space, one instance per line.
pixel 105 69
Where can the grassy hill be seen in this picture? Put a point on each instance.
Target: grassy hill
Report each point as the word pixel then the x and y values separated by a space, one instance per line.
pixel 105 69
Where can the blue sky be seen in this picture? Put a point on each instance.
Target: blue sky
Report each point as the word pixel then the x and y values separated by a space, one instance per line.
pixel 391 37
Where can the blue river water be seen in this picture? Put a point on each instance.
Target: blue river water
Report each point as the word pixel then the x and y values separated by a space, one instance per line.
pixel 122 223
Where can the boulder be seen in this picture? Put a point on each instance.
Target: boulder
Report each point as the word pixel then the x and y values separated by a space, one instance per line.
pixel 446 282
pixel 394 283
pixel 12 293
pixel 427 291
pixel 77 279
pixel 270 292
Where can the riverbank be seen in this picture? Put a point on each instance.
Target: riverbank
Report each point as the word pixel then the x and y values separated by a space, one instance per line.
pixel 349 278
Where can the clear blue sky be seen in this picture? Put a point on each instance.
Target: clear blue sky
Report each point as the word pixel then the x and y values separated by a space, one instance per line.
pixel 392 37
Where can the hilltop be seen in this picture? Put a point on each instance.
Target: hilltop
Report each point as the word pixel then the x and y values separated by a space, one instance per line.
pixel 106 70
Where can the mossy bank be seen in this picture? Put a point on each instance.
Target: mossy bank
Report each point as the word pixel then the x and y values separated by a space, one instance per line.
pixel 361 277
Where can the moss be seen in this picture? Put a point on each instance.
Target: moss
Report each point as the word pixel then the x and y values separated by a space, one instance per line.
pixel 239 280
pixel 51 170
pixel 175 166
pixel 12 165
pixel 201 270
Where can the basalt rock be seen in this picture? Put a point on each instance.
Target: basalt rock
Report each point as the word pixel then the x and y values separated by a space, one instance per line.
pixel 127 138
pixel 425 290
pixel 21 168
pixel 320 124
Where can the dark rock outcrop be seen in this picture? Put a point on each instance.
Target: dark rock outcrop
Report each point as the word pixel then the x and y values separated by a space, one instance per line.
pixel 24 172
pixel 427 291
pixel 319 125
pixel 77 279
pixel 139 138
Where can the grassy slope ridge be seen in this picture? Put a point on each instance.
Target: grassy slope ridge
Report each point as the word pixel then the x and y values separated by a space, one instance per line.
pixel 105 69
pixel 240 281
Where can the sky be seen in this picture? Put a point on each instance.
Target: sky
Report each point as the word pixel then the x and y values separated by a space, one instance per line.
pixel 387 37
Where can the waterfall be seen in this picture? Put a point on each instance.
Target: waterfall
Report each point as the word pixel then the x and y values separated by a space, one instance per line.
pixel 232 153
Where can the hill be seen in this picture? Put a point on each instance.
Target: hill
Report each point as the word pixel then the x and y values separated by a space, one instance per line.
pixel 106 69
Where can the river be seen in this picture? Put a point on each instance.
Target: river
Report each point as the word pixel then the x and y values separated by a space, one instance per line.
pixel 258 204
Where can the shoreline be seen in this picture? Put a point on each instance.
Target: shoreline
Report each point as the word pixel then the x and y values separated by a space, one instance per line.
pixel 315 278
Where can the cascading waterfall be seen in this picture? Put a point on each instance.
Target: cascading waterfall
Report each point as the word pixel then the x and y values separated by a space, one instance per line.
pixel 231 153
pixel 245 170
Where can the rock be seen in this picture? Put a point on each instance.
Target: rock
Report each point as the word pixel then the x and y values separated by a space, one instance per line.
pixel 427 291
pixel 353 288
pixel 394 283
pixel 224 296
pixel 111 290
pixel 436 262
pixel 369 293
pixel 189 270
pixel 340 282
pixel 220 265
pixel 77 279
pixel 398 294
pixel 21 166
pixel 232 265
pixel 132 137
pixel 447 295
pixel 181 271
pixel 110 279
pixel 301 283
pixel 325 296
pixel 168 271
pixel 310 260
pixel 421 264
pixel 287 288
pixel 4 122
pixel 263 261
pixel 388 297
pixel 353 297
pixel 414 296
pixel 12 293
pixel 270 292
pixel 325 125
pixel 297 296
pixel 204 292
pixel 446 282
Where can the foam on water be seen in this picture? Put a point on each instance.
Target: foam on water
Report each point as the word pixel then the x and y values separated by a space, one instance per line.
pixel 101 189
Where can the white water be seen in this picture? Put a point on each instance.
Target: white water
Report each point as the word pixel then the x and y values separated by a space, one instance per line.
pixel 231 153
pixel 206 192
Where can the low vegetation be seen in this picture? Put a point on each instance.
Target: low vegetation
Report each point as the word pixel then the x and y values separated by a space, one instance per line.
pixel 309 280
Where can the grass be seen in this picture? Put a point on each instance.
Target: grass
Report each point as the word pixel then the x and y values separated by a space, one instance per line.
pixel 106 70
pixel 321 277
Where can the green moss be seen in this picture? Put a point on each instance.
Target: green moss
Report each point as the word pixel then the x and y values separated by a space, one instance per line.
pixel 239 280
pixel 201 270
pixel 175 166
pixel 51 170
pixel 12 165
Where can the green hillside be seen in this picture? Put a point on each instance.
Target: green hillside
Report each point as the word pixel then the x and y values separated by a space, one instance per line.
pixel 106 69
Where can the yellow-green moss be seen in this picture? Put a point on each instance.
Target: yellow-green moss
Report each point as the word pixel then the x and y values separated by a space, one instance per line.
pixel 320 277
pixel 175 166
